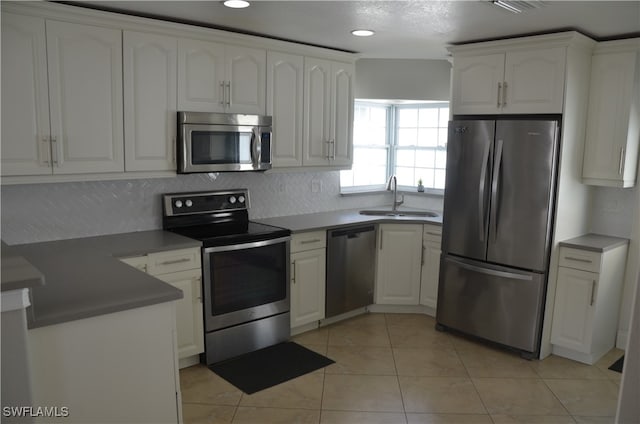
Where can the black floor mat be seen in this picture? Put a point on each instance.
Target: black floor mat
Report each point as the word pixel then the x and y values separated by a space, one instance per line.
pixel 617 366
pixel 267 367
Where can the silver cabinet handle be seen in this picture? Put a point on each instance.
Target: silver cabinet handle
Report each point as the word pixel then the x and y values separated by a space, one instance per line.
pixel 228 93
pixel 593 292
pixel 310 241
pixel 175 261
pixel 45 150
pixel 293 272
pixel 333 149
pixel 571 258
pixel 328 143
pixel 504 94
pixel 222 93
pixel 621 163
pixel 54 149
pixel 499 89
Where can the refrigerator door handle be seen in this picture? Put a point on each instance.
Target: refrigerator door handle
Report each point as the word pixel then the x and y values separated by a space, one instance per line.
pixel 481 191
pixel 489 271
pixel 494 190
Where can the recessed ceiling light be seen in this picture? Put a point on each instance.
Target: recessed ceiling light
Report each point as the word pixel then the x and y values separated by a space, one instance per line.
pixel 236 4
pixel 362 32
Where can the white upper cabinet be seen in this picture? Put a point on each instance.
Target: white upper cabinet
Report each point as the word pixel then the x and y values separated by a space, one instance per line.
pixel 215 77
pixel 85 97
pixel 522 81
pixel 150 80
pixel 26 148
pixel 285 73
pixel 328 113
pixel 613 124
pixel 62 97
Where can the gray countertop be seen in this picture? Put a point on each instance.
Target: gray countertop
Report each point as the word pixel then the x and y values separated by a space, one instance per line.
pixel 595 242
pixel 84 277
pixel 324 220
pixel 18 273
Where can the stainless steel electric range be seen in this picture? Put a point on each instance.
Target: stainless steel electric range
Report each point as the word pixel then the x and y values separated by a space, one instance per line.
pixel 245 271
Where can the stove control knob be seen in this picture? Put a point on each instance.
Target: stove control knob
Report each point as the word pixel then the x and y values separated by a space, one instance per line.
pixel 241 199
pixel 178 203
pixel 232 199
pixel 188 203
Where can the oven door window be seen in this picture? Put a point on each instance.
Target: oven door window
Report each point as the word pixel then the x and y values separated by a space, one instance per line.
pixel 219 147
pixel 242 279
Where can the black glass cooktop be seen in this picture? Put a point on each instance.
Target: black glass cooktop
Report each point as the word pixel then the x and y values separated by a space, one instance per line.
pixel 224 234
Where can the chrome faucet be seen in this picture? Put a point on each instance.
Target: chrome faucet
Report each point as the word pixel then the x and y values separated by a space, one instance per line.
pixel 393 182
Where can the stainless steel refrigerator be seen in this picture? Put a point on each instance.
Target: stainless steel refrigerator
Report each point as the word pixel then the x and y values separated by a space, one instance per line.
pixel 497 229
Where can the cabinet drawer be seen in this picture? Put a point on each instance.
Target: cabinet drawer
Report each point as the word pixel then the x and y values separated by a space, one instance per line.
pixel 585 260
pixel 139 262
pixel 173 261
pixel 432 233
pixel 308 241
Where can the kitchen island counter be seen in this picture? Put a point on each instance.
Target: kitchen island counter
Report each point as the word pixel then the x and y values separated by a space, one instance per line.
pixel 333 219
pixel 84 277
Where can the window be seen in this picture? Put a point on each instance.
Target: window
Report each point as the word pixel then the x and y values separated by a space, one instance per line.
pixel 406 140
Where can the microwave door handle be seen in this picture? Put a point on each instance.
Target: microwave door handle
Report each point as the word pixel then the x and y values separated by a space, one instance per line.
pixel 256 148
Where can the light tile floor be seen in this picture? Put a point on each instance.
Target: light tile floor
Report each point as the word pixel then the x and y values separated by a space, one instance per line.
pixel 396 368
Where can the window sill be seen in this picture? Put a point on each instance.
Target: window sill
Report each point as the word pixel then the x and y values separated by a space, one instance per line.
pixel 412 191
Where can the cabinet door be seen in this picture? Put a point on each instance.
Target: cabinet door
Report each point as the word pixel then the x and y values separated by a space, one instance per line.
pixel 307 286
pixel 398 264
pixel 534 81
pixel 25 105
pixel 317 112
pixel 475 84
pixel 200 76
pixel 285 74
pixel 150 80
pixel 85 95
pixel 574 309
pixel 246 73
pixel 430 269
pixel 606 156
pixel 189 322
pixel 341 145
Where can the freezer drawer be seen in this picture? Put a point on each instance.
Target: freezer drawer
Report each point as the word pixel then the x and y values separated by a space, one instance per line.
pixel 495 303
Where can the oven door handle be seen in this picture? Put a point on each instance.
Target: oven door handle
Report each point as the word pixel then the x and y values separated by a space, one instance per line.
pixel 249 245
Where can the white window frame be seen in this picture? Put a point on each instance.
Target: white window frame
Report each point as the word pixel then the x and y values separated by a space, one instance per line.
pixel 392 146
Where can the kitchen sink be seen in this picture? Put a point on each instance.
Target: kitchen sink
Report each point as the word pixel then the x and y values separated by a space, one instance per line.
pixel 421 214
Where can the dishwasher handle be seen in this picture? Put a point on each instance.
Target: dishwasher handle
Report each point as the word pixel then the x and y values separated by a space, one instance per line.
pixel 352 232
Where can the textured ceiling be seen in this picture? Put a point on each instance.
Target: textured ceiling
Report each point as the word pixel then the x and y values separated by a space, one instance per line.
pixel 404 29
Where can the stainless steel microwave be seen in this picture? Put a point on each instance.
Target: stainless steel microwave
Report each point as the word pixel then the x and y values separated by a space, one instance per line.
pixel 219 142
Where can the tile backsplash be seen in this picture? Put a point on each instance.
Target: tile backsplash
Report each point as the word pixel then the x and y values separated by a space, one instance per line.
pixel 42 212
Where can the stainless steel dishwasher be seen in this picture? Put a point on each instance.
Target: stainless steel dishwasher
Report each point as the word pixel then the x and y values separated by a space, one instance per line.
pixel 351 253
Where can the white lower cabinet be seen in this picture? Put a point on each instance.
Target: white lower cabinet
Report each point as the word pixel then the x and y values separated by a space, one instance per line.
pixel 431 242
pixel 181 269
pixel 587 302
pixel 398 264
pixel 308 277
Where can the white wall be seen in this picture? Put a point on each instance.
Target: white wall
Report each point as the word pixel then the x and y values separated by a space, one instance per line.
pixel 403 79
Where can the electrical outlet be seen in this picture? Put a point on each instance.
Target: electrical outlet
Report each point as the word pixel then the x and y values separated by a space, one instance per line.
pixel 316 186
